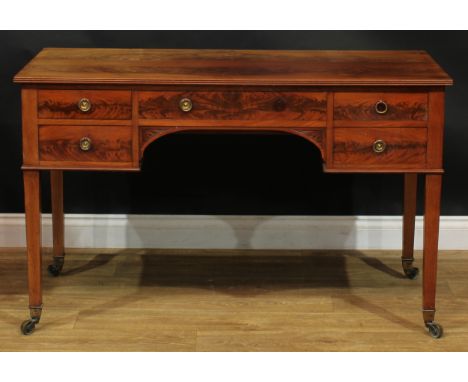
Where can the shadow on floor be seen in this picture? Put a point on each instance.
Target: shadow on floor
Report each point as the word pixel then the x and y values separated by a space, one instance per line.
pixel 238 273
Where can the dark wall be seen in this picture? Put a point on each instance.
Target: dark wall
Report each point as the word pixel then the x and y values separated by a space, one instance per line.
pixel 235 174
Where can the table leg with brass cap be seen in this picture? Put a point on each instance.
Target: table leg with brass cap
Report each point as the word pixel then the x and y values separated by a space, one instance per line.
pixel 431 239
pixel 409 218
pixel 56 188
pixel 32 200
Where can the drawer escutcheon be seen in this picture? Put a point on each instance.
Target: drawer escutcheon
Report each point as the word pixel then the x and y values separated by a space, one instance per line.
pixel 85 144
pixel 379 146
pixel 84 105
pixel 381 107
pixel 185 104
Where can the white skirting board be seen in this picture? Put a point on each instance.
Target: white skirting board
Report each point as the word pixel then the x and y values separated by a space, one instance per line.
pixel 233 232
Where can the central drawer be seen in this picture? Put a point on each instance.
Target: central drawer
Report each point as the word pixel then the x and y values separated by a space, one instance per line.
pixel 232 105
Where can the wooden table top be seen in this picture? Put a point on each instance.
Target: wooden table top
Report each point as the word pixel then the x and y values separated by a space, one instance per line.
pixel 232 67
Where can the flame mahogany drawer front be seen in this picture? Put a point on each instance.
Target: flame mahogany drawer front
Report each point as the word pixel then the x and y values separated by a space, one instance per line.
pixel 380 147
pixel 74 143
pixel 380 106
pixel 84 104
pixel 233 105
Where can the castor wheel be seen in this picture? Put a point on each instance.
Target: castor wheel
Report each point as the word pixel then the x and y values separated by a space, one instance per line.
pixel 56 267
pixel 28 326
pixel 54 270
pixel 435 330
pixel 411 273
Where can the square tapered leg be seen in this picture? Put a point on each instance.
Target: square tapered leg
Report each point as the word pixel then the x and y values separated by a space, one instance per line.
pixel 32 204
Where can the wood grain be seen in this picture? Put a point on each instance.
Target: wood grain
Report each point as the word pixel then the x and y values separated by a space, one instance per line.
pixel 234 105
pixel 84 122
pixel 431 239
pixel 84 166
pixel 29 126
pixel 350 106
pixel 232 67
pixel 232 300
pixel 436 125
pixel 135 131
pixel 219 124
pixel 377 170
pixel 58 217
pixel 316 137
pixel 330 129
pixel 409 214
pixel 406 147
pixel 32 207
pixel 149 134
pixel 105 104
pixel 377 123
pixel 108 143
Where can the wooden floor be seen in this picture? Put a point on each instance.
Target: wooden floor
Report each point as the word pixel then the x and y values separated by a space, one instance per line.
pixel 161 300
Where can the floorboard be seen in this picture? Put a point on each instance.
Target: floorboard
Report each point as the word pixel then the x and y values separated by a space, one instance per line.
pixel 232 300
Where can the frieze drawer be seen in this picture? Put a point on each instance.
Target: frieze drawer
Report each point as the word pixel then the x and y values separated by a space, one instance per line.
pixel 84 104
pixel 380 147
pixel 233 105
pixel 383 106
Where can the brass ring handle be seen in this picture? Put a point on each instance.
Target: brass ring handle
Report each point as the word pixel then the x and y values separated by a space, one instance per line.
pixel 85 144
pixel 379 146
pixel 84 105
pixel 185 104
pixel 381 107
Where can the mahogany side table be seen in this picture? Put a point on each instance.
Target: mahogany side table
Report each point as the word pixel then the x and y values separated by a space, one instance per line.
pixel 366 111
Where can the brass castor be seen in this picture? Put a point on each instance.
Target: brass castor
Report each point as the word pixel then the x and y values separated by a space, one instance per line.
pixel 435 329
pixel 28 326
pixel 55 268
pixel 410 271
